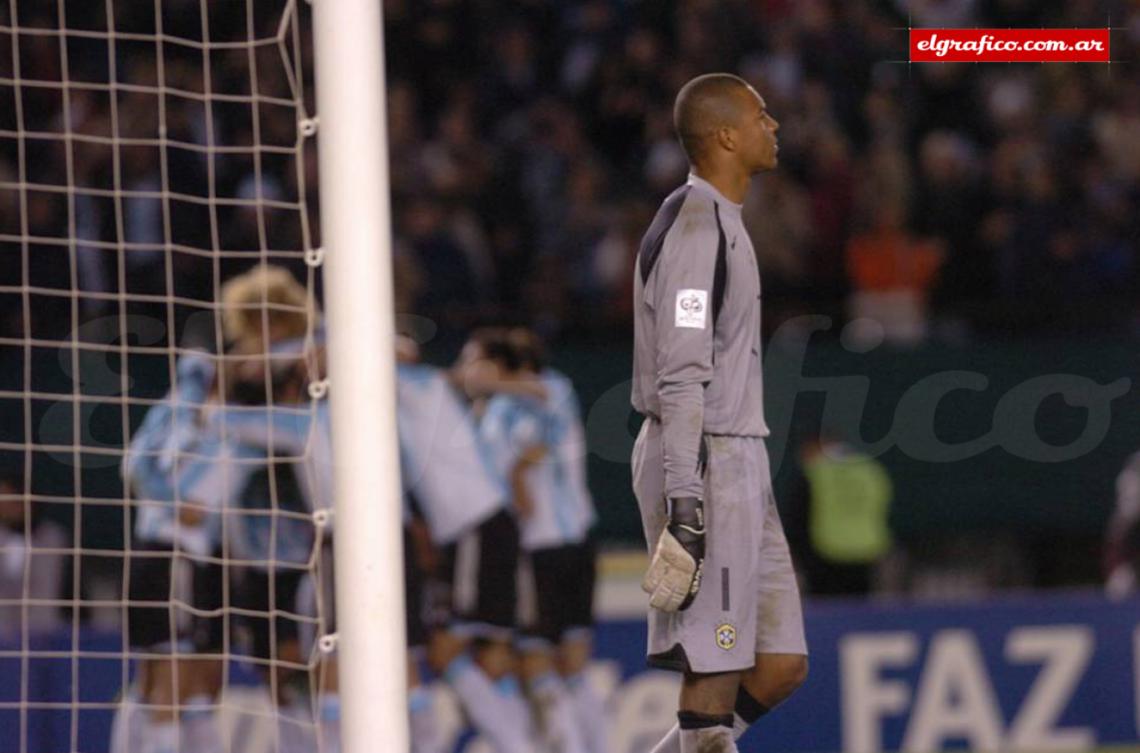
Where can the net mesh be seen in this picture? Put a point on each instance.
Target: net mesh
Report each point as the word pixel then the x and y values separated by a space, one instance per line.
pixel 152 152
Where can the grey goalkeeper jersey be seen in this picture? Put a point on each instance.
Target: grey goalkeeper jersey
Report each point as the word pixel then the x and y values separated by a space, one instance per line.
pixel 696 357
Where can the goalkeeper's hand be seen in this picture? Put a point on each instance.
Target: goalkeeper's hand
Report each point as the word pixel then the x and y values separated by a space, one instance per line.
pixel 674 574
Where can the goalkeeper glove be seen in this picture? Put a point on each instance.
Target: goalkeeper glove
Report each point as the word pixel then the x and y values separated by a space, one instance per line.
pixel 674 574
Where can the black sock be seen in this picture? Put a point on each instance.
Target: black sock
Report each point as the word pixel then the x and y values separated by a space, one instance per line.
pixel 748 708
pixel 697 720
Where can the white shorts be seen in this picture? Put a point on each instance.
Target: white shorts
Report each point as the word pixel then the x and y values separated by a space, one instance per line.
pixel 749 601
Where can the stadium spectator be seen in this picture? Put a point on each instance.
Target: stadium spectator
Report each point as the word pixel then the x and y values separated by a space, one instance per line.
pixel 892 273
pixel 521 139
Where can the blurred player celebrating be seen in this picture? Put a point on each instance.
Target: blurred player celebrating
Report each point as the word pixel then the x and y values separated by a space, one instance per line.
pixel 184 476
pixel 268 315
pixel 573 620
pixel 700 469
pixel 539 445
pixel 175 534
pixel 300 434
pixel 465 505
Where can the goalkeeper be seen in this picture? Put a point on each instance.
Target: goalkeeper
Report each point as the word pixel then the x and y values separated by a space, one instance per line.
pixel 724 606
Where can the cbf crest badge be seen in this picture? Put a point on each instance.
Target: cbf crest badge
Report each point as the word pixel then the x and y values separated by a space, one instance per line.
pixel 726 637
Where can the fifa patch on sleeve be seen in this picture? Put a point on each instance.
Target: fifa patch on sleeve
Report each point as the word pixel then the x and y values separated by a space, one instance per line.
pixel 692 308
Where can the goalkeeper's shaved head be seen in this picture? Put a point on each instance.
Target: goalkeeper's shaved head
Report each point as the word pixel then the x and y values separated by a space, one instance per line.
pixel 706 104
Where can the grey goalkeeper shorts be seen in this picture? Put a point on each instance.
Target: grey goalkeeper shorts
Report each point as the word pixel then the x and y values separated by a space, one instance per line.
pixel 749 601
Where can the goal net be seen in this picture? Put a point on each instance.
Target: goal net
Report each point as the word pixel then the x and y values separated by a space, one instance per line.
pixel 164 560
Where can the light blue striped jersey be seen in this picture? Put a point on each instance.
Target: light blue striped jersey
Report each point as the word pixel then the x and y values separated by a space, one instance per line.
pixel 169 439
pixel 563 510
pixel 271 469
pixel 443 462
pixel 562 400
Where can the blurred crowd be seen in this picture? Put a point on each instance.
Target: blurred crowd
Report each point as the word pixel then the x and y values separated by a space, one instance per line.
pixel 146 168
pixel 531 142
pixel 982 197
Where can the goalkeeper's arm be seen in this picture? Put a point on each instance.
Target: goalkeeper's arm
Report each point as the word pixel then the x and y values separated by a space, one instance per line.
pixel 683 354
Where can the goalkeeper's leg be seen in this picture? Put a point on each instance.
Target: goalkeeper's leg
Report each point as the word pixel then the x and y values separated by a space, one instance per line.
pixel 781 652
pixel 774 678
pixel 705 716
pixel 704 722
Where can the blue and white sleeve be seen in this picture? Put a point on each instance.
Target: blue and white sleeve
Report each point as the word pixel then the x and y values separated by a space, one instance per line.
pixel 143 471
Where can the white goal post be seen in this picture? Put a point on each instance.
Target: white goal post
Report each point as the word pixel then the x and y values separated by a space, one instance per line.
pixel 356 230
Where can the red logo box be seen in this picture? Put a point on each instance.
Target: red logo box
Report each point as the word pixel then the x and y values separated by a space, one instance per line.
pixel 1009 45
